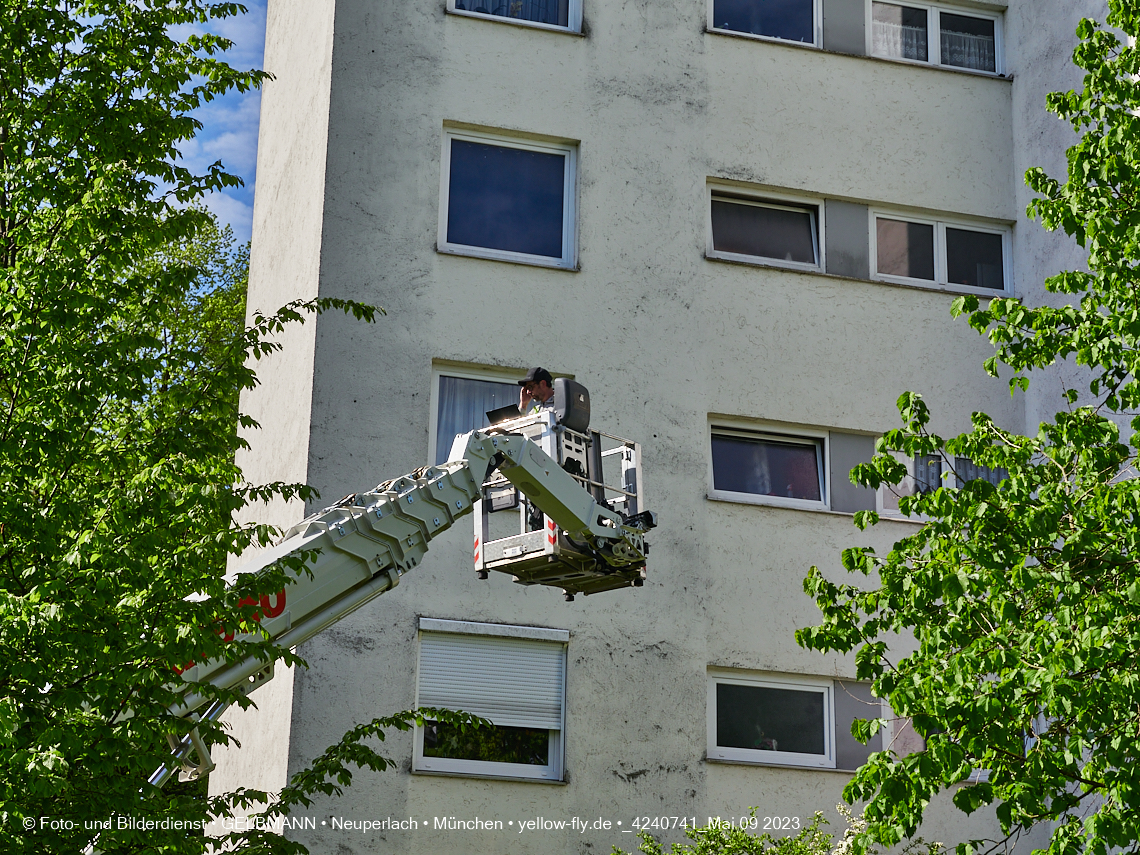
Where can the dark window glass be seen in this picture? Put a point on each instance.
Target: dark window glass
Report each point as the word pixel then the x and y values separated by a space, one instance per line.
pixel 764 231
pixel 506 198
pixel 968 42
pixel 780 19
pixel 974 258
pixel 767 467
pixel 555 12
pixel 463 406
pixel 899 32
pixel 905 249
pixel 767 719
pixel 496 744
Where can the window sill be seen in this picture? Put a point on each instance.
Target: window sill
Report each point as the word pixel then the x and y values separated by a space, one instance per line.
pixel 769 765
pixel 929 289
pixel 1001 76
pixel 768 501
pixel 920 284
pixel 533 25
pixel 918 63
pixel 509 258
pixel 759 502
pixel 760 261
pixel 716 31
pixel 508 778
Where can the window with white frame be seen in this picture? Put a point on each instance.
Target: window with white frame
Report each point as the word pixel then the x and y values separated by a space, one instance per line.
pixel 937 35
pixel 547 14
pixel 771 230
pixel 461 399
pixel 787 20
pixel 921 251
pixel 514 676
pixel 788 720
pixel 508 199
pixel 799 468
pixel 928 472
pixel 780 466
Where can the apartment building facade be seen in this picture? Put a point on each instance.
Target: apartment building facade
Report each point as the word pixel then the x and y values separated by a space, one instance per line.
pixel 739 223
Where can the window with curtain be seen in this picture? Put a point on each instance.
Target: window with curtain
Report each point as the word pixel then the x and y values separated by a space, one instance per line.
pixel 968 42
pixel 779 466
pixel 517 681
pixel 463 404
pixel 899 32
pixel 959 41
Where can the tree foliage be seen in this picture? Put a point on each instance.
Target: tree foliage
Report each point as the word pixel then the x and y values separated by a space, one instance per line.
pixel 1024 599
pixel 727 837
pixel 122 353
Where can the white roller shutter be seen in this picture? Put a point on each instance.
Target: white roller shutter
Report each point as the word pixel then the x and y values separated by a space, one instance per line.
pixel 514 682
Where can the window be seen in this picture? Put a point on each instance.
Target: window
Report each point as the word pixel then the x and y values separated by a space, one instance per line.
pixel 515 676
pixel 774 465
pixel 462 399
pixel 928 252
pixel 772 231
pixel 936 35
pixel 781 467
pixel 787 20
pixel 927 472
pixel 788 720
pixel 507 199
pixel 548 14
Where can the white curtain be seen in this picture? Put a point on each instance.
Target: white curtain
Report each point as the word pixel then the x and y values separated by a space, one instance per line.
pixel 899 41
pixel 463 406
pixel 967 51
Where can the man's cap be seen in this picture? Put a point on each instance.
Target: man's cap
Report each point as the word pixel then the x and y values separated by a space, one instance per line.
pixel 537 375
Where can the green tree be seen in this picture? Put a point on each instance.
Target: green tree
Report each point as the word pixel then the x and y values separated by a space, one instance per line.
pixel 121 359
pixel 1024 600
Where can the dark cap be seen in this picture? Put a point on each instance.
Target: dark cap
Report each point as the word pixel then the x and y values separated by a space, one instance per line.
pixel 537 375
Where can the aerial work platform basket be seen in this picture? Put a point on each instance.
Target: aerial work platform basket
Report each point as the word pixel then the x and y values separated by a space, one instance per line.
pixel 513 536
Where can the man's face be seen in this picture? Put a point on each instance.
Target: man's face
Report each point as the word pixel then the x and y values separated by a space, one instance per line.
pixel 539 391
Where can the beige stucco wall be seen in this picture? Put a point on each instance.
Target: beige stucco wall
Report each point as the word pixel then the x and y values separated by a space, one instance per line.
pixel 284 266
pixel 662 336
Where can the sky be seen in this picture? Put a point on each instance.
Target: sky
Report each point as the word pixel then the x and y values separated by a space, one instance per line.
pixel 229 132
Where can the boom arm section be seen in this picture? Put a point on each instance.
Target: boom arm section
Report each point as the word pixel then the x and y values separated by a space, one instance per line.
pixel 367 541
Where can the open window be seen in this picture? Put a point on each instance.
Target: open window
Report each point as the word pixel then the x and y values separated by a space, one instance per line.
pixel 758 228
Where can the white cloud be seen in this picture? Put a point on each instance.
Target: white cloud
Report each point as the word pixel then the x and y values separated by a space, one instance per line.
pixel 230 123
pixel 229 134
pixel 237 214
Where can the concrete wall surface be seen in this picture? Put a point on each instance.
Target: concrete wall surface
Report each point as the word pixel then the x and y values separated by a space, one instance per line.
pixel 668 340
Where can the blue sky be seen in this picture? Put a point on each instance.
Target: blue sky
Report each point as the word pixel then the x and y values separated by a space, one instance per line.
pixel 229 132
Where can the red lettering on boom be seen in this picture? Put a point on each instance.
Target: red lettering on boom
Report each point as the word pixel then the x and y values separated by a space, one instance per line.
pixel 276 609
